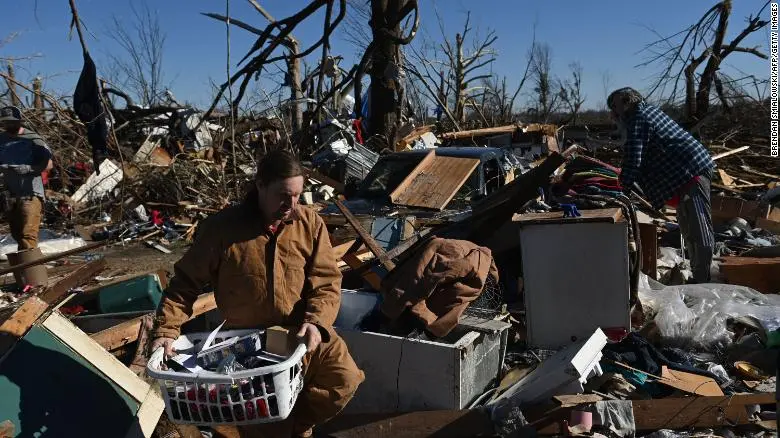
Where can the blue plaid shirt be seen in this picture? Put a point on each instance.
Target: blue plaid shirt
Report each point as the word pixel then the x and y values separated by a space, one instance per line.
pixel 660 155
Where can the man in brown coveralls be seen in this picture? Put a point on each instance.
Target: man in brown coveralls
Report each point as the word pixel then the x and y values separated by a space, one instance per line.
pixel 270 263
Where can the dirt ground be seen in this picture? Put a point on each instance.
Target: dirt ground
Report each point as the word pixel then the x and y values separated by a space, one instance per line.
pixel 137 257
pixel 121 260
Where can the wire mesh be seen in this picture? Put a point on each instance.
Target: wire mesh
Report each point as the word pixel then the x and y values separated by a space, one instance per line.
pixel 489 302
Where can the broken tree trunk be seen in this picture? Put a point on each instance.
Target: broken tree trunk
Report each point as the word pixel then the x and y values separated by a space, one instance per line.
pixel 296 93
pixel 37 96
pixel 385 67
pixel 11 83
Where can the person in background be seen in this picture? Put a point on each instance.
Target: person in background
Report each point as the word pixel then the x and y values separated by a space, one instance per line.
pixel 23 157
pixel 270 262
pixel 671 167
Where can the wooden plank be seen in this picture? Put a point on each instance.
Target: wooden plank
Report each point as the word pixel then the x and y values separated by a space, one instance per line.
pixel 127 332
pixel 648 236
pixel 54 292
pixel 423 424
pixel 369 240
pixel 434 182
pixel 684 413
pixel 96 355
pixel 609 215
pixel 24 317
pixel 412 136
pixel 340 250
pixel 759 273
pixel 726 178
pixel 507 129
pixel 371 277
pixel 567 401
pixel 731 152
pixel 148 414
pixel 406 183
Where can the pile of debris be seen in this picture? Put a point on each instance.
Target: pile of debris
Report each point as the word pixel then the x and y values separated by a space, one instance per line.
pixel 539 296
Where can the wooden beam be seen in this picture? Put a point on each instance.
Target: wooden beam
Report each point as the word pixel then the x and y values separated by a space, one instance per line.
pixel 75 278
pixel 690 412
pixel 648 236
pixel 369 241
pixel 57 256
pixel 127 332
pixel 668 413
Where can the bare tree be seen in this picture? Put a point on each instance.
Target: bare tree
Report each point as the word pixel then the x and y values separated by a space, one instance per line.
pixel 571 91
pixel 465 66
pixel 606 84
pixel 292 77
pixel 11 91
pixel 459 77
pixel 546 99
pixel 703 44
pixel 357 25
pixel 274 36
pixel 139 65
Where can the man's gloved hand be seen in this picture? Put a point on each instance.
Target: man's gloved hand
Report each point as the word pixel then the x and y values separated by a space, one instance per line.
pixel 21 169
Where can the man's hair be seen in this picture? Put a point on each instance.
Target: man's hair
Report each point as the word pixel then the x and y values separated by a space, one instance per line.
pixel 629 97
pixel 277 165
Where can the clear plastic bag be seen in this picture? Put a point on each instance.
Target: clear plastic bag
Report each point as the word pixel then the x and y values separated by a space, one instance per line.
pixel 675 320
pixel 702 325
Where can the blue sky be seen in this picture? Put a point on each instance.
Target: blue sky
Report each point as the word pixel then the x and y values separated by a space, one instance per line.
pixel 605 36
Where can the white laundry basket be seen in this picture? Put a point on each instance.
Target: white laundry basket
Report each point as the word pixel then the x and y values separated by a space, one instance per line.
pixel 259 395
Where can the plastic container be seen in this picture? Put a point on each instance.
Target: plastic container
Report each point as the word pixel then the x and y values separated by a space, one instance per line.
pixel 260 395
pixel 134 295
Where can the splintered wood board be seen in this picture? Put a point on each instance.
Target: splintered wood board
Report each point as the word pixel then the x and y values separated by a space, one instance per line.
pixel 434 182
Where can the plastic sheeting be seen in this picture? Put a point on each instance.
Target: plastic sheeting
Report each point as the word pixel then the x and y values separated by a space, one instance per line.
pixel 695 316
pixel 49 243
pixel 617 416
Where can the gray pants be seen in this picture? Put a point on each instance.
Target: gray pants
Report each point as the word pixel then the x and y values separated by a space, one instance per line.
pixel 694 214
